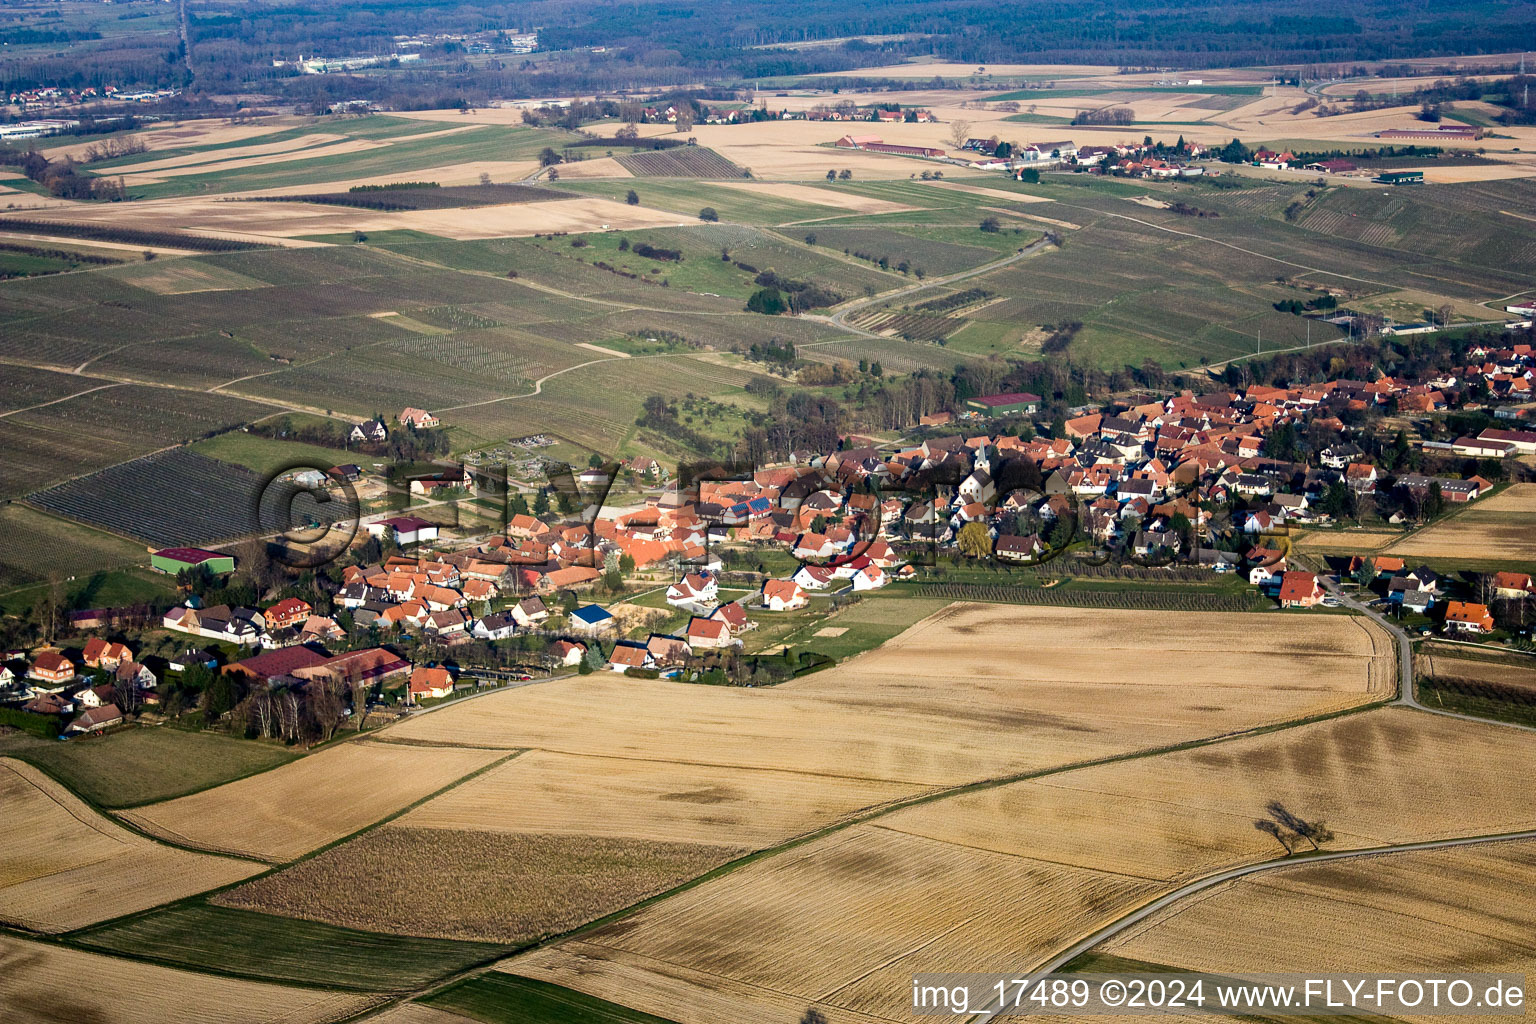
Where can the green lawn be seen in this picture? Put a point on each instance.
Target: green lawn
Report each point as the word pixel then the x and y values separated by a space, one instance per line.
pixel 142 765
pixel 498 998
pixel 271 948
pixel 268 455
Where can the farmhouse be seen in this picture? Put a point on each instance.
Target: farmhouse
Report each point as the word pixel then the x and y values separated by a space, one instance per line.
pixel 368 431
pixel 97 719
pixel 418 419
pixel 273 665
pixel 695 590
pixel 856 141
pixel 175 560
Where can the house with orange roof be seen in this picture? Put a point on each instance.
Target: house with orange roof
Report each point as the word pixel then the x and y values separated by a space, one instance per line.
pixel 288 612
pixel 709 633
pixel 430 683
pixel 100 653
pixel 1512 585
pixel 1300 590
pixel 1468 617
pixel 783 595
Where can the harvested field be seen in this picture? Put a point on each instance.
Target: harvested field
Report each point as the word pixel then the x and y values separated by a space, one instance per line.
pixel 842 922
pixel 63 866
pixel 846 201
pixel 488 886
pixel 1491 529
pixel 1387 776
pixel 274 221
pixel 600 167
pixel 1346 540
pixel 291 810
pixel 1400 913
pixel 139 993
pixel 551 793
pixel 901 713
pixel 1004 877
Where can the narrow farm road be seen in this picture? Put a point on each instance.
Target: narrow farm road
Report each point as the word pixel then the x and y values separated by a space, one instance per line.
pixel 840 318
pixel 1137 916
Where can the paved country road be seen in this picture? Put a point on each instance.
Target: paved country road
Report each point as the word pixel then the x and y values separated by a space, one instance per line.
pixel 1137 916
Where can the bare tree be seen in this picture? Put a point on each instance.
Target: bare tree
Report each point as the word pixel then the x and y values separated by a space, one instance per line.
pixel 360 691
pixel 813 1016
pixel 1272 830
pixel 324 700
pixel 1314 832
pixel 959 132
pixel 262 712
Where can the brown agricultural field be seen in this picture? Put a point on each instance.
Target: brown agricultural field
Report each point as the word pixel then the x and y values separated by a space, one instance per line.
pixel 998 879
pixel 497 887
pixel 1472 907
pixel 1329 541
pixel 1444 661
pixel 1385 776
pixel 927 708
pixel 47 984
pixel 550 793
pixel 63 866
pixel 1492 529
pixel 291 810
pixel 276 221
pixel 843 922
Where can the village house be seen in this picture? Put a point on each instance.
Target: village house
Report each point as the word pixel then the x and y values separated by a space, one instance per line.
pixel 97 719
pixel 1300 590
pixel 628 654
pixel 371 431
pixel 566 653
pixel 418 419
pixel 709 633
pixel 1468 617
pixel 783 595
pixel 429 683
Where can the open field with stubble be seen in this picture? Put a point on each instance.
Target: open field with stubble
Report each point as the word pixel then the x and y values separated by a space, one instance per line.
pixel 112 990
pixel 63 866
pixel 1497 528
pixel 553 794
pixel 998 878
pixel 474 885
pixel 1473 908
pixel 926 708
pixel 286 812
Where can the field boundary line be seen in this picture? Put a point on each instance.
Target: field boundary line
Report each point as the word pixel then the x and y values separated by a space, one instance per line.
pixel 1200 885
pixel 836 827
pixel 70 939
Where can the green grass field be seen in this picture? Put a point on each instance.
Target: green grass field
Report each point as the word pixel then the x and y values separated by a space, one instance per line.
pixel 402 145
pixel 498 998
pixel 145 764
pixel 267 455
pixel 262 946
